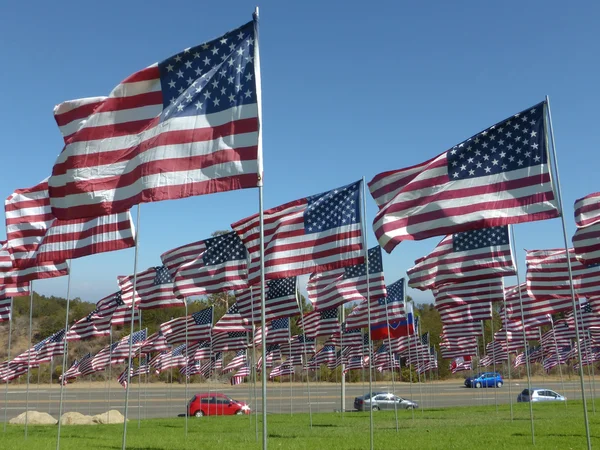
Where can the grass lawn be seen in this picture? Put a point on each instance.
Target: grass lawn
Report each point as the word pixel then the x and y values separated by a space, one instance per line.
pixel 556 427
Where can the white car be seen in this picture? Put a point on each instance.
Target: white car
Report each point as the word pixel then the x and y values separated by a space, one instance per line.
pixel 540 395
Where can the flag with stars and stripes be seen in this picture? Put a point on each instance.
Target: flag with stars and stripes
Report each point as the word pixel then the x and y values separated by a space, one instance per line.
pixel 5 309
pixel 229 340
pixel 320 323
pixel 277 331
pixel 326 355
pixel 586 240
pixel 12 276
pixel 240 359
pixel 348 284
pixel 240 375
pixel 35 236
pixel 13 290
pixel 232 320
pixel 123 377
pixel 114 307
pixel 298 345
pixel 280 300
pixel 383 310
pixel 207 267
pixel 313 234
pixel 185 126
pixel 285 368
pixel 88 327
pixel 154 289
pixel 121 351
pixel 464 257
pixel 500 176
pixel 347 336
pixel 53 346
pixel 199 326
pixel 155 343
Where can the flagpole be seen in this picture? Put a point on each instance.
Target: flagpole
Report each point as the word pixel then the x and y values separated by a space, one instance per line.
pixel 593 375
pixel 589 363
pixel 186 367
pixel 512 232
pixel 109 371
pixel 484 348
pixel 342 364
pixel 558 359
pixel 507 353
pixel 10 319
pixel 564 229
pixel 408 335
pixel 132 323
pixel 52 370
pixel 291 377
pixel 304 365
pixel 391 355
pixel 493 355
pixel 29 357
pixel 254 367
pixel 139 377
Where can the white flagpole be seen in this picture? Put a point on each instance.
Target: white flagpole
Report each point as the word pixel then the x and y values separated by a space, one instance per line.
pixel 562 381
pixel 254 364
pixel 593 375
pixel 391 355
pixel 366 253
pixel 494 357
pixel 573 301
pixel 132 323
pixel 291 376
pixel 305 365
pixel 512 232
pixel 187 377
pixel 139 377
pixel 29 357
pixel 65 354
pixel 109 372
pixel 408 335
pixel 507 355
pixel 10 319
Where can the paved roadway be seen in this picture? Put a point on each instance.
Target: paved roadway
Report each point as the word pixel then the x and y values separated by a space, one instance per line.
pixel 160 400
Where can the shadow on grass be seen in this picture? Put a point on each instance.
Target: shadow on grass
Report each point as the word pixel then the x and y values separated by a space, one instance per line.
pixel 325 425
pixel 283 436
pixel 578 435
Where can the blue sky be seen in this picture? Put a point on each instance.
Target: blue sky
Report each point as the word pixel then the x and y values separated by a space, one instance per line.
pixel 349 90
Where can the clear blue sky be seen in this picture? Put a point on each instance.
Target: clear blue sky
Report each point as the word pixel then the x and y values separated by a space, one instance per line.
pixel 349 90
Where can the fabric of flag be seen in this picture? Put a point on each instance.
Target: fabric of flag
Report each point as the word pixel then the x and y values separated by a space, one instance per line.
pixel 556 358
pixel 199 350
pixel 280 300
pixel 586 241
pixel 219 265
pixel 313 234
pixel 240 375
pixel 35 236
pixel 587 210
pixel 354 363
pixel 515 324
pixel 460 363
pixel 230 340
pixel 347 336
pixel 384 310
pixel 123 377
pixel 116 309
pixel 533 306
pixel 185 126
pixel 284 369
pixel 299 344
pixel 464 257
pixel 73 371
pixel 331 289
pixel 273 356
pixel 326 355
pixel 120 352
pixel 154 289
pixel 88 327
pixel 277 331
pixel 232 320
pixel 589 315
pixel 156 342
pixel 10 275
pixel 320 323
pixel 53 346
pixel 199 326
pixel 240 359
pixel 471 292
pixel 500 176
pixel 5 309
pixel 10 371
pixel 13 290
pixel 207 369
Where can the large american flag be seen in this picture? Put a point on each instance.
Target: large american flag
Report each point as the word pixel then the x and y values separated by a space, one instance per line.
pixel 500 176
pixel 461 312
pixel 587 210
pixel 320 323
pixel 393 303
pixel 533 306
pixel 10 371
pixel 463 257
pixel 12 277
pixel 471 292
pixel 121 351
pixel 229 340
pixel 35 236
pixel 314 234
pixel 185 126
pixel 199 325
pixel 277 331
pixel 5 309
pixel 114 307
pixel 90 326
pixel 154 288
pixel 334 288
pixel 13 290
pixel 232 320
pixel 280 300
pixel 218 265
pixel 586 240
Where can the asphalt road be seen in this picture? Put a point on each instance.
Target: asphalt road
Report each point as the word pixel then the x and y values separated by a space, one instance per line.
pixel 169 401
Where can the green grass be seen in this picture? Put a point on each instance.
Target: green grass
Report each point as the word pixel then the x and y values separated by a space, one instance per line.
pixel 465 427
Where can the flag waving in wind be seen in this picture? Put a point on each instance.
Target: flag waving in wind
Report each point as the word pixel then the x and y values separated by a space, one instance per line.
pixel 500 176
pixel 586 240
pixel 185 126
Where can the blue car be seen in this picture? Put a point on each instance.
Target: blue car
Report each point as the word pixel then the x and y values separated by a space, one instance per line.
pixel 485 379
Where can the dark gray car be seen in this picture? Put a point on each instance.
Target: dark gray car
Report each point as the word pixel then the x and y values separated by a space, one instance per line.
pixel 383 401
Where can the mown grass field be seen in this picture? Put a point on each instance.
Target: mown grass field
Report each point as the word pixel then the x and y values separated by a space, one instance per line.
pixel 556 427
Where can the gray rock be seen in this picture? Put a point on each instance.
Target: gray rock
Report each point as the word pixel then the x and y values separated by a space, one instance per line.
pixel 34 418
pixel 75 418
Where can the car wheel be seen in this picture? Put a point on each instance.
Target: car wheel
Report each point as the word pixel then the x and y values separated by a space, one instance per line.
pixel 239 412
pixel 375 408
pixel 478 384
pixel 499 384
pixel 199 414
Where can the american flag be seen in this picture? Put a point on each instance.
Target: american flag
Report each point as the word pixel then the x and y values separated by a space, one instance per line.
pixel 320 323
pixel 587 210
pixel 465 257
pixel 313 234
pixel 53 346
pixel 10 371
pixel 461 363
pixel 280 300
pixel 199 350
pixel 216 362
pixel 12 277
pixel 298 345
pixel 461 312
pixel 191 368
pixel 219 265
pixel 13 290
pixel 331 289
pixel 354 363
pixel 114 307
pixel 240 375
pixel 548 276
pixel 88 327
pixel 383 310
pixel 286 368
pixel 95 363
pixel 168 359
pixel 232 320
pixel 240 359
pixel 586 243
pixel 121 351
pixel 277 331
pixel 326 355
pixel 199 326
pixel 348 336
pixel 273 355
pixel 193 119
pixel 589 314
pixel 229 340
pixel 498 177
pixel 143 368
pixel 554 359
pixel 154 288
pixel 123 377
pixel 73 371
pixel 452 331
pixel 533 306
pixel 495 354
pixel 471 292
pixel 514 323
pixel 514 340
pixel 35 236
pixel 5 309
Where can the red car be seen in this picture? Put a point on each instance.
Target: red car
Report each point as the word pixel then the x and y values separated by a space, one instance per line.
pixel 215 404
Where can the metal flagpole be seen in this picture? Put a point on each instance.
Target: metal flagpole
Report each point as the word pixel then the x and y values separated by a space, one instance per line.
pixel 305 365
pixel 419 359
pixel 29 357
pixel 562 382
pixel 37 389
pixel 65 355
pixel 132 323
pixel 512 232
pixel 187 377
pixel 485 352
pixel 366 252
pixel 342 365
pixel 109 372
pixel 493 356
pixel 593 375
pixel 52 370
pixel 408 335
pixel 254 363
pixel 507 355
pixel 573 301
pixel 10 319
pixel 586 343
pixel 291 377
pixel 391 355
pixel 90 395
pixel 139 377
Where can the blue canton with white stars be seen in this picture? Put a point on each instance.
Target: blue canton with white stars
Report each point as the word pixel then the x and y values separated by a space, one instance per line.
pixel 395 293
pixel 515 143
pixel 236 334
pixel 178 351
pixel 329 314
pixel 281 287
pixel 233 309
pixel 210 77
pixel 333 209
pixel 280 324
pixel 272 348
pixel 203 317
pixel 359 270
pixel 139 336
pixel 328 348
pixel 162 276
pixel 220 249
pixel 481 238
pixel 118 298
